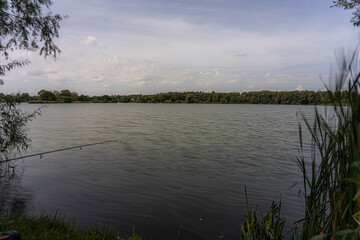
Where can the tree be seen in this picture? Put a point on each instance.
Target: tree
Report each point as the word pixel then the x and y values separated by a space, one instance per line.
pixel 24 25
pixel 65 93
pixel 350 4
pixel 84 98
pixel 66 99
pixel 46 95
pixel 74 96
pixel 12 128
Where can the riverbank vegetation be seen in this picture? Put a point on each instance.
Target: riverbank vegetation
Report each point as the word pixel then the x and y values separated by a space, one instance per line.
pixel 331 171
pixel 259 97
pixel 55 227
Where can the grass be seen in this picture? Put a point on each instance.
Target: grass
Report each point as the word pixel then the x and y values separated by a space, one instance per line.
pixel 47 227
pixel 332 180
pixel 269 226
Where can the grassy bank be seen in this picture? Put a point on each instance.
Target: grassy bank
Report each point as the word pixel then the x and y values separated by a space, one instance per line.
pixel 47 227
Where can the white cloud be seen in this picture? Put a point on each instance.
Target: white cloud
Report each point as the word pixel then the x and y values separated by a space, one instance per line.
pixel 98 79
pixel 91 40
pixel 284 78
pixel 141 83
pixel 205 82
pixel 299 88
pixel 232 81
pixel 241 54
pixel 180 90
pixel 267 75
pixel 217 72
pixel 167 82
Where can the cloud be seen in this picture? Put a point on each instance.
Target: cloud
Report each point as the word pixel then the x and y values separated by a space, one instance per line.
pixel 180 90
pixel 97 79
pixel 207 82
pixel 91 40
pixel 232 81
pixel 217 72
pixel 106 85
pixel 285 78
pixel 142 83
pixel 299 88
pixel 268 74
pixel 241 54
pixel 251 86
pixel 167 82
pixel 40 73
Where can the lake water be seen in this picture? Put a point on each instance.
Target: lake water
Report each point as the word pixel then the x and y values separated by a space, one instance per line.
pixel 178 168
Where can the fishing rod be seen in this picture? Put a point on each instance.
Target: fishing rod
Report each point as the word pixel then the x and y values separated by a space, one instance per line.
pixel 62 149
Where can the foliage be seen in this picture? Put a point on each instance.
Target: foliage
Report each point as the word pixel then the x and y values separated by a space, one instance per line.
pixel 24 25
pixel 269 227
pixel 260 97
pixel 332 184
pixel 12 127
pixel 55 228
pixel 46 95
pixel 350 4
pixel 65 93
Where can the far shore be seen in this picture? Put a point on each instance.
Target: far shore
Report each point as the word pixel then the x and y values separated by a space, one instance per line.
pixel 258 97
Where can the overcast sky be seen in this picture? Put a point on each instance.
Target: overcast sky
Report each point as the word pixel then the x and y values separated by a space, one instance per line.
pixel 151 46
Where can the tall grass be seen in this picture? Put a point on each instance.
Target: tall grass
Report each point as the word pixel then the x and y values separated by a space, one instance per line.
pixel 332 179
pixel 331 172
pixel 269 226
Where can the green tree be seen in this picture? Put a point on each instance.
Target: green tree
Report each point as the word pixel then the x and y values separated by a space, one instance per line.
pixel 66 99
pixel 24 25
pixel 350 4
pixel 46 95
pixel 74 96
pixel 24 97
pixel 12 128
pixel 84 98
pixel 66 93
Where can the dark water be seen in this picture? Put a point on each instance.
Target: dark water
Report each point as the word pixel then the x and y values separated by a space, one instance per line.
pixel 182 168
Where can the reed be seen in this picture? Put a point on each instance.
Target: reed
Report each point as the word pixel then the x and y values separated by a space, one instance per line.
pixel 331 172
pixel 269 226
pixel 332 179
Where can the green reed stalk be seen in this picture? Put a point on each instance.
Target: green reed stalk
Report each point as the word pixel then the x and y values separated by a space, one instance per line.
pixel 332 181
pixel 269 226
pixel 331 177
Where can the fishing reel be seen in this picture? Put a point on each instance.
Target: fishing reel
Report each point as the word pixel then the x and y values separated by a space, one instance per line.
pixel 10 235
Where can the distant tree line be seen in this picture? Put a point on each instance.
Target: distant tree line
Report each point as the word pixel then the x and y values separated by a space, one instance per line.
pixel 259 97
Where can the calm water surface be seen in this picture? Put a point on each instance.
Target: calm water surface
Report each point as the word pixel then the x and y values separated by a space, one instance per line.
pixel 178 167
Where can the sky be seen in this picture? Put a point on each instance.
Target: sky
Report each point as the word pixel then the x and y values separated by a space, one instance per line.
pixel 153 46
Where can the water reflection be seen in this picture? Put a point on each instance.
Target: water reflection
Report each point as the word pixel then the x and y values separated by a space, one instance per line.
pixel 14 197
